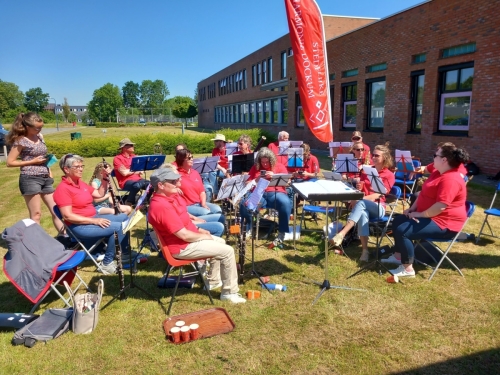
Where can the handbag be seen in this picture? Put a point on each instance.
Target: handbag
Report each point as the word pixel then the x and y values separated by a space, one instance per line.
pixel 85 309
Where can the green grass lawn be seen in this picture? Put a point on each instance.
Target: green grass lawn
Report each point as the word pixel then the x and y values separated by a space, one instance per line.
pixel 390 328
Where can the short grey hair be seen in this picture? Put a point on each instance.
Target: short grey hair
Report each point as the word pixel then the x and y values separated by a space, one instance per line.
pixel 283 134
pixel 68 160
pixel 264 152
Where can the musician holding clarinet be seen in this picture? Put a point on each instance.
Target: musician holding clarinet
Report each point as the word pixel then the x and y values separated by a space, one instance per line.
pixel 75 201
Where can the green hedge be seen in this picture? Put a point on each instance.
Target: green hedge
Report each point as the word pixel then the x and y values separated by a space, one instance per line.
pixel 108 146
pixel 136 124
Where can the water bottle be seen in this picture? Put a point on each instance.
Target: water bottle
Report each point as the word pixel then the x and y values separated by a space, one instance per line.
pixel 275 287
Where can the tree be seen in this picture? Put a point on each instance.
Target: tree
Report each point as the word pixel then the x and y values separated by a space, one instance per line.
pixel 105 101
pixel 10 97
pixel 153 93
pixel 185 110
pixel 195 98
pixel 36 100
pixel 66 109
pixel 131 93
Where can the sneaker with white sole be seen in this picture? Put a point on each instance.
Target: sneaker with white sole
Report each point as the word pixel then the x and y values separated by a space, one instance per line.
pixel 402 272
pixel 109 269
pixel 392 259
pixel 233 297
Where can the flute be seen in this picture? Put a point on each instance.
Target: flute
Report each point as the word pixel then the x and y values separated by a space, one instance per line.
pixel 119 266
pixel 116 204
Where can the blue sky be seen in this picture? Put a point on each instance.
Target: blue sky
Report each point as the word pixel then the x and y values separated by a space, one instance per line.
pixel 71 48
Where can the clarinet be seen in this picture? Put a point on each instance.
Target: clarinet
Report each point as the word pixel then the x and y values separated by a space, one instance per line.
pixel 119 267
pixel 260 144
pixel 242 249
pixel 111 192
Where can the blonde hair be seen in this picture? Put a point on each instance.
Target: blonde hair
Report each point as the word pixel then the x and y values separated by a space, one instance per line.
pixel 386 155
pixel 99 167
pixel 246 138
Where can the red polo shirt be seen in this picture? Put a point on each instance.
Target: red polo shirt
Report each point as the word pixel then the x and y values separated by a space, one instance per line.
pixel 274 147
pixel 191 185
pixel 278 168
pixel 387 178
pixel 223 162
pixel 168 215
pixel 79 197
pixel 311 165
pixel 448 188
pixel 126 161
pixel 461 169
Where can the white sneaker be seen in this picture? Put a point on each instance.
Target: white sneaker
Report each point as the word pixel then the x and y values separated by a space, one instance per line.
pixel 233 297
pixel 392 259
pixel 402 272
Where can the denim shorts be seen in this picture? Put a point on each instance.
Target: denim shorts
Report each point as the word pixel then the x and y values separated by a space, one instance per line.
pixel 32 185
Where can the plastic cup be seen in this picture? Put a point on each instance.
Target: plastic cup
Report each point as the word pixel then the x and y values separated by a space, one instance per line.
pixel 253 294
pixel 194 331
pixel 180 323
pixel 185 335
pixel 393 279
pixel 175 332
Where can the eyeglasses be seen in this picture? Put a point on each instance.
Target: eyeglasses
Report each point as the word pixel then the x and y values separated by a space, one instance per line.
pixel 356 138
pixel 78 166
pixel 358 149
pixel 436 155
pixel 241 143
pixel 172 182
pixel 376 155
pixel 189 158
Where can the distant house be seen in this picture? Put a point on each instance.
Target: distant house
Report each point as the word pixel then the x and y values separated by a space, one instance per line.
pixel 78 110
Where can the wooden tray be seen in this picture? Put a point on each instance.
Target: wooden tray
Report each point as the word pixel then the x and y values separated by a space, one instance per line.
pixel 212 322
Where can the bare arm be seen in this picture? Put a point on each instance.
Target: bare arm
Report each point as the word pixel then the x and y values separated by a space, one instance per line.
pixel 127 172
pixel 68 215
pixel 13 161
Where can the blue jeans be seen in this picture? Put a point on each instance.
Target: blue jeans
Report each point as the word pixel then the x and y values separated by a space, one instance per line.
pixel 197 210
pixel 95 232
pixel 277 201
pixel 133 187
pixel 214 227
pixel 210 178
pixel 405 230
pixel 362 212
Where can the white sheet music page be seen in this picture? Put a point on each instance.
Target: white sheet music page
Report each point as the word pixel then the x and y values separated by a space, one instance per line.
pixel 346 163
pixel 243 191
pixel 375 179
pixel 208 163
pixel 322 187
pixel 256 195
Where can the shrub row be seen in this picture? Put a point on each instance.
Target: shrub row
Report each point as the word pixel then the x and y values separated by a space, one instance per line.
pixel 108 146
pixel 135 124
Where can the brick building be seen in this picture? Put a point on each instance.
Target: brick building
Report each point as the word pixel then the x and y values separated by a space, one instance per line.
pixel 416 78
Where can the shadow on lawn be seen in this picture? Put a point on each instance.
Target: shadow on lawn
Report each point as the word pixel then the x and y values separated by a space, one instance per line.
pixel 485 362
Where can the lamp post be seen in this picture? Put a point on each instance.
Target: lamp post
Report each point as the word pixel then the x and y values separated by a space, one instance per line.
pixel 55 112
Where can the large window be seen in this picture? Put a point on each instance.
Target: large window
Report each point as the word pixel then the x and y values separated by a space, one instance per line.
pixel 350 101
pixel 275 111
pixel 283 64
pixel 254 75
pixel 270 69
pixel 259 74
pixel 284 111
pixel 376 103
pixel 417 99
pixel 252 113
pixel 259 113
pixel 301 121
pixel 264 71
pixel 455 98
pixel 267 111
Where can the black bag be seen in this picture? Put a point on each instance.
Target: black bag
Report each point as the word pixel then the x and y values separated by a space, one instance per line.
pixel 472 169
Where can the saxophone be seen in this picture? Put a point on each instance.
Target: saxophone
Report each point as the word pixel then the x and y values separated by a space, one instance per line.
pixel 119 267
pixel 116 204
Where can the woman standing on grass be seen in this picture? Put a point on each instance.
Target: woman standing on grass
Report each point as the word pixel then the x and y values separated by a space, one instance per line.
pixel 35 180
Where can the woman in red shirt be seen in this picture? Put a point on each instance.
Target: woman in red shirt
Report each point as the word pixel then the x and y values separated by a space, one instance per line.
pixel 438 212
pixel 372 205
pixel 244 145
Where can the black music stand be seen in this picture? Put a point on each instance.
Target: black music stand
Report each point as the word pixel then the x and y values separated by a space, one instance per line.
pixel 324 194
pixel 231 148
pixel 295 158
pixel 242 163
pixel 379 188
pixel 345 163
pixel 146 163
pixel 206 164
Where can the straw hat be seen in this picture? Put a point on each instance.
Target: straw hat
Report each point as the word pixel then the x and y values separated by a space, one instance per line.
pixel 126 141
pixel 219 137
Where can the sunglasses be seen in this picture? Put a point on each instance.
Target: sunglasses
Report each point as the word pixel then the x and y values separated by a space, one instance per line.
pixel 358 149
pixel 376 155
pixel 172 182
pixel 66 157
pixel 355 138
pixel 189 158
pixel 436 155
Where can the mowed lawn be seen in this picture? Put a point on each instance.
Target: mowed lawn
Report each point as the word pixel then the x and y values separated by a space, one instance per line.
pixel 448 326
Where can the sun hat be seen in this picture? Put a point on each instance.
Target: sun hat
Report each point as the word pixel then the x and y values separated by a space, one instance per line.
pixel 126 141
pixel 219 137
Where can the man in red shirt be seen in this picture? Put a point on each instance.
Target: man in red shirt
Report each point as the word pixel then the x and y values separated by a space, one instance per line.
pixel 128 180
pixel 221 171
pixel 169 217
pixel 274 147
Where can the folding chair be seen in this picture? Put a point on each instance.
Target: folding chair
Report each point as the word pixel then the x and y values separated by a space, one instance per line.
pixel 403 178
pixel 381 225
pixel 70 266
pixel 314 211
pixel 470 208
pixel 490 211
pixel 74 238
pixel 172 262
pixel 120 193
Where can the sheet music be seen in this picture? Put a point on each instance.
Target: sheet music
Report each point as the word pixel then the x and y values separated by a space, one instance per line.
pixel 254 199
pixel 207 164
pixel 334 176
pixel 146 162
pixel 280 179
pixel 346 163
pixel 231 148
pixel 243 191
pixel 404 161
pixel 285 145
pixel 335 147
pixel 295 157
pixel 136 215
pixel 375 180
pixel 140 201
pixel 232 186
pixel 323 187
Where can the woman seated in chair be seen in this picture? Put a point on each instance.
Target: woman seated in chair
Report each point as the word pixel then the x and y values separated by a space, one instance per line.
pixel 75 199
pixel 439 211
pixel 274 197
pixel 372 206
pixel 310 169
pixel 244 145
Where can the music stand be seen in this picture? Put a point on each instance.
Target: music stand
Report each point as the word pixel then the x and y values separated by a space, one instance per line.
pixel 346 163
pixel 333 176
pixel 295 158
pixel 379 188
pixel 231 148
pixel 242 163
pixel 404 163
pixel 146 163
pixel 336 147
pixel 327 191
pixel 206 164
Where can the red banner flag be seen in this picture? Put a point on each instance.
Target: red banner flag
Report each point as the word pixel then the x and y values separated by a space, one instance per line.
pixel 309 55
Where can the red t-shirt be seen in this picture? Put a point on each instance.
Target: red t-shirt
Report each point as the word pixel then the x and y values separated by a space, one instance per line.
pixel 223 162
pixel 79 197
pixel 126 161
pixel 278 168
pixel 365 153
pixel 191 186
pixel 274 147
pixel 448 188
pixel 387 178
pixel 311 165
pixel 168 215
pixel 461 169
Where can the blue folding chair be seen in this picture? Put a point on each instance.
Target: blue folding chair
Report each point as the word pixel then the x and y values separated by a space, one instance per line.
pixel 490 211
pixel 381 225
pixel 120 193
pixel 470 208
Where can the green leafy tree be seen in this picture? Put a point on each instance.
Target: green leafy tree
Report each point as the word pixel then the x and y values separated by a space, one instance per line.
pixel 105 101
pixel 195 98
pixel 131 93
pixel 66 109
pixel 153 93
pixel 48 116
pixel 185 110
pixel 72 117
pixel 36 100
pixel 10 97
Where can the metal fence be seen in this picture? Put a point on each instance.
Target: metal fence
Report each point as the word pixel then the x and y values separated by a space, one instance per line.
pixel 143 115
